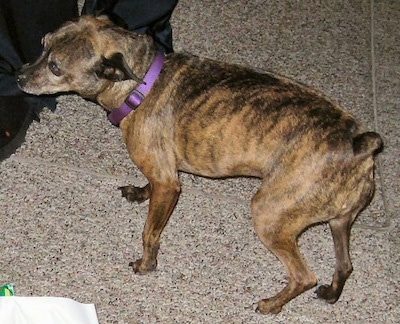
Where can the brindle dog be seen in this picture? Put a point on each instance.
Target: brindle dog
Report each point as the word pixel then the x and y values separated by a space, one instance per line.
pixel 219 120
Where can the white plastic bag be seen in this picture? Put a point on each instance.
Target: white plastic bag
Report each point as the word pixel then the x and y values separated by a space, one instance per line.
pixel 45 310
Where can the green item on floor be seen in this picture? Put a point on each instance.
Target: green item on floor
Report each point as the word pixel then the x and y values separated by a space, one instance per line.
pixel 7 290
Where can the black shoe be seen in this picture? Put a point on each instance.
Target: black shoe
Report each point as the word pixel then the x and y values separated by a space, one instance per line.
pixel 16 114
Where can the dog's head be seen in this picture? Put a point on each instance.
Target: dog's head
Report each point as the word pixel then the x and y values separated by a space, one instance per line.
pixel 88 57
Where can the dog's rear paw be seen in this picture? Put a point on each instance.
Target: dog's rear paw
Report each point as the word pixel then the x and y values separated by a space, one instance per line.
pixel 135 194
pixel 268 306
pixel 140 268
pixel 327 293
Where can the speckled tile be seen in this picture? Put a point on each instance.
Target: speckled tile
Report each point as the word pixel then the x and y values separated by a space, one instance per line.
pixel 387 35
pixel 78 134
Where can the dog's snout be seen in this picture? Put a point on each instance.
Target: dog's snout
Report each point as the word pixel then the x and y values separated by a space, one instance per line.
pixel 21 78
pixel 22 75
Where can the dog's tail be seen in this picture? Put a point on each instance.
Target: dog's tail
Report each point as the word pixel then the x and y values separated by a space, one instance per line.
pixel 368 143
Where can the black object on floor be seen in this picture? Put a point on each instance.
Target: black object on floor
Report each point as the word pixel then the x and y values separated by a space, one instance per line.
pixel 16 114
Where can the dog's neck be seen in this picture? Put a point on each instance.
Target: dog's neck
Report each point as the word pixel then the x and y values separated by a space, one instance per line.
pixel 136 97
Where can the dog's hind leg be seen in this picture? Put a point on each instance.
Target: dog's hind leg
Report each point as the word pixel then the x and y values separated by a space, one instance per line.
pixel 340 228
pixel 279 231
pixel 360 191
pixel 163 199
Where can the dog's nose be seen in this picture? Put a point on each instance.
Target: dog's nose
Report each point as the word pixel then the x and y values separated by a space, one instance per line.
pixel 21 79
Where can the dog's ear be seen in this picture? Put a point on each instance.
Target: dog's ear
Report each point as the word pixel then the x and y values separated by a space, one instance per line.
pixel 116 69
pixel 104 8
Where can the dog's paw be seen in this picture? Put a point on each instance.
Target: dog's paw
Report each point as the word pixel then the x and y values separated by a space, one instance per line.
pixel 134 194
pixel 327 293
pixel 140 268
pixel 268 306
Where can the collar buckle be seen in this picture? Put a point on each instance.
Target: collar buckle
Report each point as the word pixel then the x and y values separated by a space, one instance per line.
pixel 135 99
pixel 137 96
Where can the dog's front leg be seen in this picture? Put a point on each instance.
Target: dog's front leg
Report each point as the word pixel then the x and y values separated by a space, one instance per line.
pixel 163 198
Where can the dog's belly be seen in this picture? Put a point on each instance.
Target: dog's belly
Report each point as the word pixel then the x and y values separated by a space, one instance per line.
pixel 221 168
pixel 243 153
pixel 233 146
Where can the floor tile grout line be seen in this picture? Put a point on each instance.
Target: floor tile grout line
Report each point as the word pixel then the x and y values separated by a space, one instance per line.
pixel 39 161
pixel 373 66
pixel 188 189
pixel 387 225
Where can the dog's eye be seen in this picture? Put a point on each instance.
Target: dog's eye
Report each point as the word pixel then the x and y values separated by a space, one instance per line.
pixel 54 68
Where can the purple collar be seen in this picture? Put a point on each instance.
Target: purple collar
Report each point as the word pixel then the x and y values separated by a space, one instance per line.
pixel 139 93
